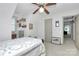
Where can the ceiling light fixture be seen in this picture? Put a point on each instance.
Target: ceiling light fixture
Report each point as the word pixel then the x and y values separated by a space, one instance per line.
pixel 41 9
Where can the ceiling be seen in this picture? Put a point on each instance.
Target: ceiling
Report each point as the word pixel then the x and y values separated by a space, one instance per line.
pixel 29 8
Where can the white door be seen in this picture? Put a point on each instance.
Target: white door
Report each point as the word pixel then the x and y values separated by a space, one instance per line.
pixel 77 31
pixel 48 30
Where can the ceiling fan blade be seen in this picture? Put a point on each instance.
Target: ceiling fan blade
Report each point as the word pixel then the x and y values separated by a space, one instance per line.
pixel 35 4
pixel 36 10
pixel 50 4
pixel 46 11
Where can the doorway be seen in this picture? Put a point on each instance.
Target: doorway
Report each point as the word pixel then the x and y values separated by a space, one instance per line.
pixel 48 30
pixel 69 28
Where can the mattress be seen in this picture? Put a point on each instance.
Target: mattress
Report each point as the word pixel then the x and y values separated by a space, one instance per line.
pixel 20 46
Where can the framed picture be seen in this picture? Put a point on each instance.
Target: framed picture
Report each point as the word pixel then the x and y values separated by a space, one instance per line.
pixel 57 23
pixel 21 23
pixel 30 26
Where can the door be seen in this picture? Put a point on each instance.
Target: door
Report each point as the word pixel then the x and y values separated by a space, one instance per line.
pixel 48 30
pixel 77 31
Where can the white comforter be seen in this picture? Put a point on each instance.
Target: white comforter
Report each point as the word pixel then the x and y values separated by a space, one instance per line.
pixel 20 46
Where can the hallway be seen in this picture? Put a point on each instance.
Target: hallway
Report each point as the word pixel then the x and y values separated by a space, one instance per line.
pixel 67 49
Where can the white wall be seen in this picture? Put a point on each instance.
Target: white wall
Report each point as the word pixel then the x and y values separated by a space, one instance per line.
pixel 6 12
pixel 38 23
pixel 41 29
pixel 34 19
pixel 38 26
pixel 56 31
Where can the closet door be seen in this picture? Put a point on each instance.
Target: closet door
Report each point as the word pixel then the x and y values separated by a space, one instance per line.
pixel 48 30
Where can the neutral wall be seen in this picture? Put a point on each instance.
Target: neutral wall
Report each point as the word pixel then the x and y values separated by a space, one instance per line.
pixel 56 31
pixel 6 12
pixel 38 23
pixel 35 20
pixel 38 26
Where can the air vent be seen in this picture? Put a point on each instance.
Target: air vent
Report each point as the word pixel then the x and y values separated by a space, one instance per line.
pixel 56 40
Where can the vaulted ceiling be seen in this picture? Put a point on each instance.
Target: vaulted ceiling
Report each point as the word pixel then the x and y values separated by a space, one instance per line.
pixel 29 8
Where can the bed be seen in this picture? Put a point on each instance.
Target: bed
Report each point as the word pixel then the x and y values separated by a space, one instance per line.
pixel 22 47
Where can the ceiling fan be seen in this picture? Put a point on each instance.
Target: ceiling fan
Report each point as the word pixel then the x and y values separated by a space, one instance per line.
pixel 42 7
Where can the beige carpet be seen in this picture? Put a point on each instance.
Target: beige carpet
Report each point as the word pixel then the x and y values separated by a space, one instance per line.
pixel 67 49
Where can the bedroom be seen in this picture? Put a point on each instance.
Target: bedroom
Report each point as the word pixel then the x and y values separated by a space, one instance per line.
pixel 34 24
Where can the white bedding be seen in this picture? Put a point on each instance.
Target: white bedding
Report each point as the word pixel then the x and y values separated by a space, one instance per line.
pixel 21 46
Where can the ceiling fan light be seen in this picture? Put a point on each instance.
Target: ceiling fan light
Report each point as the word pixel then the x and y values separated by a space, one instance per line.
pixel 41 10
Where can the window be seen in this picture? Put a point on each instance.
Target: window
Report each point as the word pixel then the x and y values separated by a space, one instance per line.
pixel 13 24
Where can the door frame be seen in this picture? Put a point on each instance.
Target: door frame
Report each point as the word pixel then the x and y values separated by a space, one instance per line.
pixel 73 34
